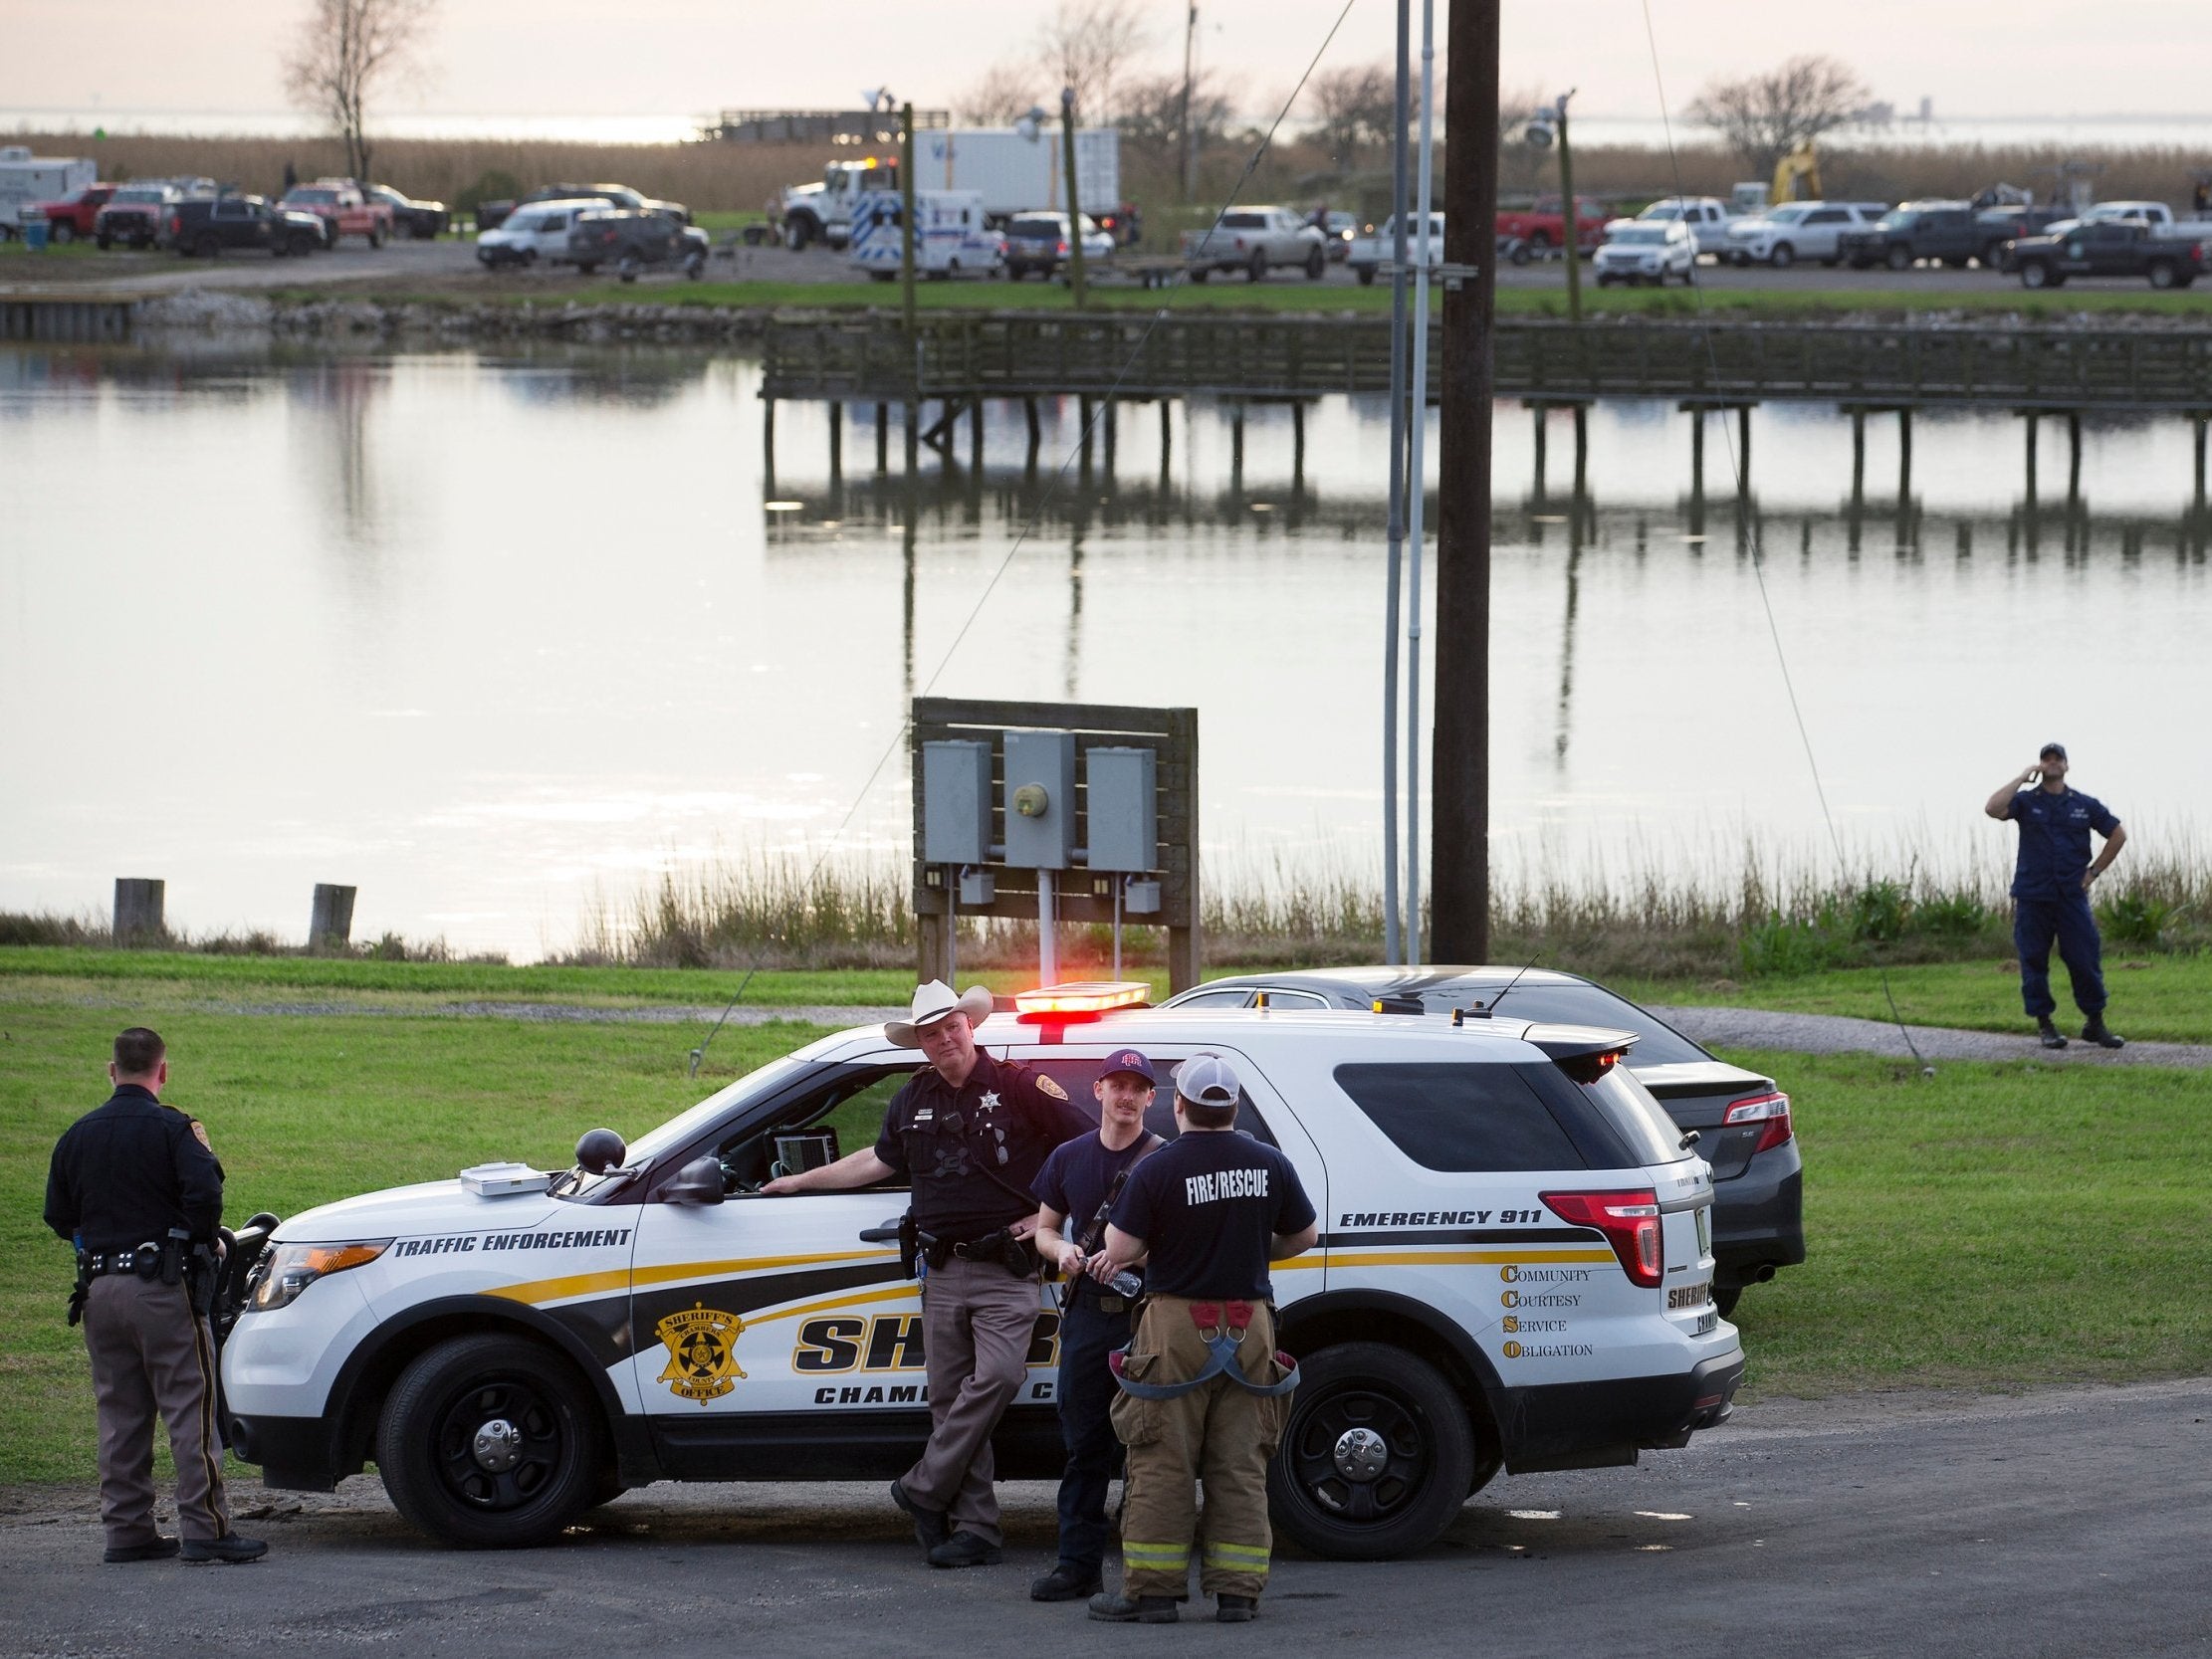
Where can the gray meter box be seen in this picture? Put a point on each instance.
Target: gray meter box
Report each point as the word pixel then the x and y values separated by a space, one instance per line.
pixel 1122 806
pixel 956 803
pixel 1041 799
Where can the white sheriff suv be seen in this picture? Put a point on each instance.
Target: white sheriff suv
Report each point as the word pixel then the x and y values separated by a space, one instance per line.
pixel 1514 1274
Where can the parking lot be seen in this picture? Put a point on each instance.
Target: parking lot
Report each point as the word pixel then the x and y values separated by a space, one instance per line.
pixel 450 267
pixel 2054 1523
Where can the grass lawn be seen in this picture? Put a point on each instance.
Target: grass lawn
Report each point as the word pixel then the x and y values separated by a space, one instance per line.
pixel 1998 1226
pixel 2153 997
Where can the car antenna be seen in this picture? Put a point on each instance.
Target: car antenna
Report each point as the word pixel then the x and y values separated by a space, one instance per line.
pixel 1510 984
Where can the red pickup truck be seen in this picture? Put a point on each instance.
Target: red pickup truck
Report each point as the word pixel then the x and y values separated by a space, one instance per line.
pixel 71 217
pixel 1544 225
pixel 344 209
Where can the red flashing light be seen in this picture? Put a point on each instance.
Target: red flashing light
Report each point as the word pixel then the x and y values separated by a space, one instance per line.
pixel 1631 1225
pixel 1588 1068
pixel 1771 1109
pixel 1083 1001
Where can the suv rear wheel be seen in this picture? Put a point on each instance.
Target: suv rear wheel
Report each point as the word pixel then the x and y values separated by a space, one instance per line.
pixel 1378 1455
pixel 209 245
pixel 1900 258
pixel 490 1442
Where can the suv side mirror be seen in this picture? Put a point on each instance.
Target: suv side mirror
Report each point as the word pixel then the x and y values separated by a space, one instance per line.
pixel 697 1183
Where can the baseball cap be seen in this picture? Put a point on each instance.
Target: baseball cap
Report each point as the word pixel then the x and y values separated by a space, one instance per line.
pixel 1207 1079
pixel 2058 749
pixel 1129 1060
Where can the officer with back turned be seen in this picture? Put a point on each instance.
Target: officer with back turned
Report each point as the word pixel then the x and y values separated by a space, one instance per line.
pixel 1204 1394
pixel 970 1133
pixel 134 1186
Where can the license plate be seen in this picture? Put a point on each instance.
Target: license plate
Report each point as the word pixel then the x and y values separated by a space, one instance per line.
pixel 1690 1295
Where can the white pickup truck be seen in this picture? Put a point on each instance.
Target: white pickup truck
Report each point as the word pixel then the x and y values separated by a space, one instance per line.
pixel 1372 253
pixel 1254 240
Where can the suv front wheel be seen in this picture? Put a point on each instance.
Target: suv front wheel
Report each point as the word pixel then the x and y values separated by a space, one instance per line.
pixel 490 1442
pixel 1378 1455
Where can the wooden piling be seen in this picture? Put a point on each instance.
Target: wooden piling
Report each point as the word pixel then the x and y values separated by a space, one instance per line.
pixel 883 439
pixel 1236 449
pixel 330 916
pixel 975 436
pixel 1297 449
pixel 1904 458
pixel 767 444
pixel 138 914
pixel 836 444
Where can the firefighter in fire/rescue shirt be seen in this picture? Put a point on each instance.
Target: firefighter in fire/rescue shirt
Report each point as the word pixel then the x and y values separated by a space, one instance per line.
pixel 1204 1394
pixel 971 1133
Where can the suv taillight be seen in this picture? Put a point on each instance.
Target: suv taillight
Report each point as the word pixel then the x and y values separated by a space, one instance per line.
pixel 1771 1109
pixel 177 223
pixel 1629 1222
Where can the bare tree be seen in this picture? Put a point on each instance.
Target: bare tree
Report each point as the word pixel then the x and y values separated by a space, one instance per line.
pixel 1005 93
pixel 344 54
pixel 1151 119
pixel 1765 116
pixel 1357 106
pixel 1088 43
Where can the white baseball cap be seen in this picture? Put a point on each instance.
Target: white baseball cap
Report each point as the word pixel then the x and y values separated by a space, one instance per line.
pixel 1207 1079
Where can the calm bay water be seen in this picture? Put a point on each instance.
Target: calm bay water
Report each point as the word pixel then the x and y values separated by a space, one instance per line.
pixel 491 636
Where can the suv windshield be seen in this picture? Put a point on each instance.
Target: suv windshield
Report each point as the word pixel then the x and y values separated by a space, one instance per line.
pixel 1038 226
pixel 1641 234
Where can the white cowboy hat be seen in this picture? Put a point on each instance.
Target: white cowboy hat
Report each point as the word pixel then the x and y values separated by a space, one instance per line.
pixel 932 1003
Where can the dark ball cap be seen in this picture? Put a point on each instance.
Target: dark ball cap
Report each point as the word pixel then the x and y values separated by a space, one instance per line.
pixel 2049 749
pixel 1134 1064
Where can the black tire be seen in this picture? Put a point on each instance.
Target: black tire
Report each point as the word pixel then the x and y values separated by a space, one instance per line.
pixel 105 240
pixel 1255 269
pixel 1428 1442
pixel 2035 274
pixel 1782 257
pixel 1605 279
pixel 1519 255
pixel 2162 273
pixel 529 258
pixel 375 237
pixel 1539 241
pixel 208 244
pixel 446 1398
pixel 1725 1300
pixel 1366 275
pixel 1317 266
pixel 1200 272
pixel 628 269
pixel 303 245
pixel 1901 258
pixel 587 268
pixel 798 232
pixel 62 233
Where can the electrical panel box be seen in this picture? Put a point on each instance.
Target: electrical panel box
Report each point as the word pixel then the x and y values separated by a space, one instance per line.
pixel 1122 806
pixel 1141 897
pixel 956 803
pixel 1041 799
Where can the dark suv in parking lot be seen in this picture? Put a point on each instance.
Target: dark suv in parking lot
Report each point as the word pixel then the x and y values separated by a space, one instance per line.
pixel 1742 1118
pixel 208 227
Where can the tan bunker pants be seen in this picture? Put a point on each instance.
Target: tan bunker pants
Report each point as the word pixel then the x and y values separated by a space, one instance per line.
pixel 1218 1433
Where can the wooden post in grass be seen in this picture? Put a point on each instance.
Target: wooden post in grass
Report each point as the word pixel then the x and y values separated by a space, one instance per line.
pixel 139 909
pixel 1074 206
pixel 330 917
pixel 906 217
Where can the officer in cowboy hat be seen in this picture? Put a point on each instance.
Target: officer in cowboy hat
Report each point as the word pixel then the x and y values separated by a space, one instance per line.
pixel 970 1133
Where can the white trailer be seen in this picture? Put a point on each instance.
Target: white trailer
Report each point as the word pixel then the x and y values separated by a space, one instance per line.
pixel 1012 168
pixel 27 179
pixel 950 236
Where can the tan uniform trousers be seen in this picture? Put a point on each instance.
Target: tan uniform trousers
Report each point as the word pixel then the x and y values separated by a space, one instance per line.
pixel 152 1354
pixel 1218 1433
pixel 978 1321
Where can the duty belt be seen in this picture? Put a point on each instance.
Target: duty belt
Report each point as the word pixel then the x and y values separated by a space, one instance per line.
pixel 100 1262
pixel 1222 1325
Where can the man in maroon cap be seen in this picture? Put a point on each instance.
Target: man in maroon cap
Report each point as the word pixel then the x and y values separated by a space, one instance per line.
pixel 1077 1186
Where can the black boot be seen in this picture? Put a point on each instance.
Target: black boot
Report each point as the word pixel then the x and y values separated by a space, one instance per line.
pixel 966 1550
pixel 1066 1582
pixel 930 1528
pixel 2103 1036
pixel 2051 1035
pixel 1235 1609
pixel 1115 1608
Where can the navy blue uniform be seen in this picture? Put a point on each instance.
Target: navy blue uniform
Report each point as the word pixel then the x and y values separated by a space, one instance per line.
pixel 2049 902
pixel 971 1153
pixel 125 1174
pixel 1195 1204
pixel 1093 1323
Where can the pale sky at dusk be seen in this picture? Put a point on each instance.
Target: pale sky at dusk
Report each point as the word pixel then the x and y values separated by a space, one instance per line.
pixel 684 56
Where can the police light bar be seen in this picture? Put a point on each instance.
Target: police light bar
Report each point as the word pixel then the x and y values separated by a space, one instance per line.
pixel 1084 1000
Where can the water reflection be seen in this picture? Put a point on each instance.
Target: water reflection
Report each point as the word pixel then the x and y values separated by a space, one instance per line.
pixel 520 627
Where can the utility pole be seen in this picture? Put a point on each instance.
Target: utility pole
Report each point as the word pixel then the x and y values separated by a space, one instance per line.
pixel 1190 139
pixel 1573 235
pixel 1459 825
pixel 1074 206
pixel 1417 472
pixel 906 217
pixel 1397 531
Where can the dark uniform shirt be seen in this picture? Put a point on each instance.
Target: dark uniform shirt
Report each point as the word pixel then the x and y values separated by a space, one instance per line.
pixel 1078 1176
pixel 973 1152
pixel 129 1170
pixel 2055 840
pixel 1208 1207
